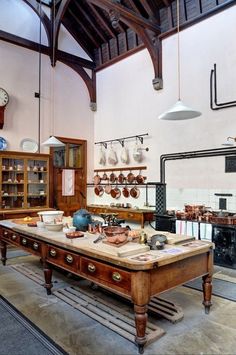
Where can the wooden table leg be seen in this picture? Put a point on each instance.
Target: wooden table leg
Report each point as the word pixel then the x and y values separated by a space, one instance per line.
pixel 3 247
pixel 207 291
pixel 48 277
pixel 140 313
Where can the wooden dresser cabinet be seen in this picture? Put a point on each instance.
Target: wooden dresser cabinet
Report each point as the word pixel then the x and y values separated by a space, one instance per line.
pixel 128 214
pixel 24 182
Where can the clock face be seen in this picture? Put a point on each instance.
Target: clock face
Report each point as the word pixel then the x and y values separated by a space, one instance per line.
pixel 4 98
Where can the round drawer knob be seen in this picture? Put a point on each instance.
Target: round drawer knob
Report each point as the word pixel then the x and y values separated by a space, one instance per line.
pixel 53 252
pixel 24 241
pixel 116 276
pixel 35 246
pixel 13 237
pixel 5 233
pixel 69 259
pixel 91 267
pixel 130 215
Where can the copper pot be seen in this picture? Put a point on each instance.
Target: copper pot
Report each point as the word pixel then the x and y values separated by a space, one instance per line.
pixel 112 177
pixel 121 178
pixel 130 177
pixel 97 179
pixel 99 190
pixel 125 191
pixel 104 176
pixel 140 178
pixel 134 192
pixel 108 188
pixel 114 230
pixel 115 193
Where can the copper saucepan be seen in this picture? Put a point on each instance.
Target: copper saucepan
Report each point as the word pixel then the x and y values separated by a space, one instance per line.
pixel 99 190
pixel 97 179
pixel 140 178
pixel 125 191
pixel 108 188
pixel 112 177
pixel 121 178
pixel 115 193
pixel 134 192
pixel 130 177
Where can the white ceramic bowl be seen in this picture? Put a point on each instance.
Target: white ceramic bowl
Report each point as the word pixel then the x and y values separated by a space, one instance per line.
pixel 57 227
pixel 51 217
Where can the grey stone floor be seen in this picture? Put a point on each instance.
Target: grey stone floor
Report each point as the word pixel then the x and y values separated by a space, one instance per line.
pixel 78 334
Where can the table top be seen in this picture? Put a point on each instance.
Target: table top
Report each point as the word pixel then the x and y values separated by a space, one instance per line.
pixel 141 259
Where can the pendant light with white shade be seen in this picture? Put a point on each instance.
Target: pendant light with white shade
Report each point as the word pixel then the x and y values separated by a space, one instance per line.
pixel 53 141
pixel 179 111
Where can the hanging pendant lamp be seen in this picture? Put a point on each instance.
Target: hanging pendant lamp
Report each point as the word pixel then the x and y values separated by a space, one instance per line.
pixel 179 111
pixel 51 141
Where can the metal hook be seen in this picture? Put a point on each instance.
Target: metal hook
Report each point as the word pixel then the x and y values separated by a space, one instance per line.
pixel 122 142
pixel 140 138
pixel 104 145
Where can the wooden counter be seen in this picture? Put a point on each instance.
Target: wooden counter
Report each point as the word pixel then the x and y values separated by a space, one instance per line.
pixel 128 214
pixel 130 277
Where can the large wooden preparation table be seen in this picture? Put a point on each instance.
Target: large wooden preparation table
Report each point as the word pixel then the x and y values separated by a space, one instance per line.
pixel 129 277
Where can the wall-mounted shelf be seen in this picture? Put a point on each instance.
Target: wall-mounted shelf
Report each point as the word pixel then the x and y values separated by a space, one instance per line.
pixel 121 169
pixel 123 139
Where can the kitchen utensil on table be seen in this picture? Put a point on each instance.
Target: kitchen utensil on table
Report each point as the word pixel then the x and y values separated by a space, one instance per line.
pixel 99 190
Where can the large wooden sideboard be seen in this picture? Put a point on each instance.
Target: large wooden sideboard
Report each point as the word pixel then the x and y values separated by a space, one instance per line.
pixel 128 214
pixel 132 278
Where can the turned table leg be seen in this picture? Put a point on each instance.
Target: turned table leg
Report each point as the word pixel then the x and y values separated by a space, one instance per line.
pixel 140 313
pixel 47 277
pixel 207 291
pixel 3 247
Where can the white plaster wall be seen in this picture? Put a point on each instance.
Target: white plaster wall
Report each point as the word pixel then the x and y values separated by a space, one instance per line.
pixel 65 100
pixel 128 105
pixel 18 18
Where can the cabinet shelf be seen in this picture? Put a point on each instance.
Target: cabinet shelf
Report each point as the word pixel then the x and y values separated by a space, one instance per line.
pixel 25 185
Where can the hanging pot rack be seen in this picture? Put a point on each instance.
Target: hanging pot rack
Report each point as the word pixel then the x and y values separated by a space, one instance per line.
pixel 122 140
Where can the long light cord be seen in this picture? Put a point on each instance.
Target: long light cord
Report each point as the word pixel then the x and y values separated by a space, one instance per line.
pixel 40 73
pixel 178 49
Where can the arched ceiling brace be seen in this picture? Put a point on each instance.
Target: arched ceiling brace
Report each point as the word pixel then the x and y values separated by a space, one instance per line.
pixel 147 30
pixel 55 27
pixel 74 62
pixel 44 19
pixel 89 82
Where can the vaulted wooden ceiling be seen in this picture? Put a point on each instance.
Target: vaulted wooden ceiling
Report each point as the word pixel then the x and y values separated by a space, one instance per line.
pixel 109 30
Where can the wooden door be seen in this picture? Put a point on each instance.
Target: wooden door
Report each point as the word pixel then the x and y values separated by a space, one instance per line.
pixel 69 162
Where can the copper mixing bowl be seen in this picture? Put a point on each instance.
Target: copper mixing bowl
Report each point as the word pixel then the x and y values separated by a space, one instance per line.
pixel 114 230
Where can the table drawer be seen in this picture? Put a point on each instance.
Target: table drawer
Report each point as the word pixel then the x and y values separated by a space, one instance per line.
pixel 32 245
pixel 105 273
pixel 11 236
pixel 63 258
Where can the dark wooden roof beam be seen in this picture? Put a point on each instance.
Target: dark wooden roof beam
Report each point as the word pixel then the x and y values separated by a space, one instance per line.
pixel 80 23
pixel 91 22
pixel 126 14
pixel 102 20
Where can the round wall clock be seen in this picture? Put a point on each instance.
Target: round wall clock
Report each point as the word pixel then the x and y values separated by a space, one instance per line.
pixel 4 97
pixel 3 143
